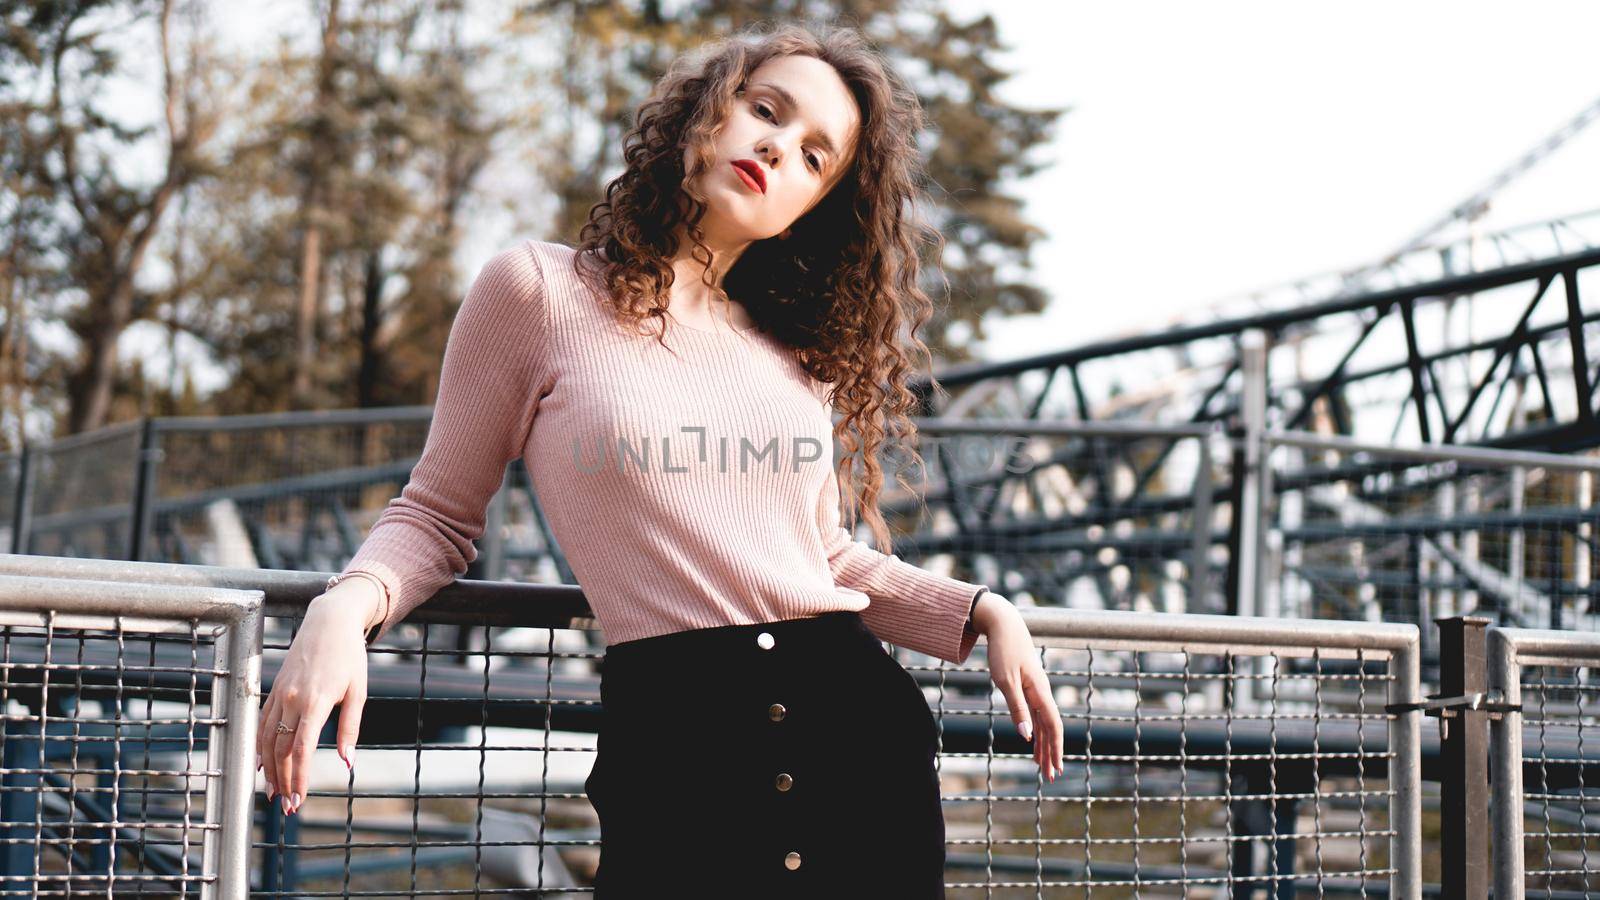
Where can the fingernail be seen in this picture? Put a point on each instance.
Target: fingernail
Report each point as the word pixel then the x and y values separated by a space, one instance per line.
pixel 1027 730
pixel 283 804
pixel 271 790
pixel 258 762
pixel 294 801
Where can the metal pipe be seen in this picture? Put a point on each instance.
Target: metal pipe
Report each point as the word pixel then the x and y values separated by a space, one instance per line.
pixel 147 463
pixel 236 697
pixel 22 512
pixel 1161 632
pixel 1505 759
pixel 1200 526
pixel 1036 428
pixel 1544 647
pixel 1253 363
pixel 86 597
pixel 1252 495
pixel 386 415
pixel 287 592
pixel 1405 774
pixel 1313 441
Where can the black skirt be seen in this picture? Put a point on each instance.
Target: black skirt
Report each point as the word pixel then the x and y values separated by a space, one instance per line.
pixel 781 759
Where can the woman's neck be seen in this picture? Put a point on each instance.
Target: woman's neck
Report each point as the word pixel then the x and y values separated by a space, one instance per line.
pixel 695 304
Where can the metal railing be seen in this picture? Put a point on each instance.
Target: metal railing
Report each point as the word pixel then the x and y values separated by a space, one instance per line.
pixel 1178 778
pixel 1420 533
pixel 1098 515
pixel 414 818
pixel 127 718
pixel 1197 788
pixel 482 707
pixel 1184 518
pixel 1543 771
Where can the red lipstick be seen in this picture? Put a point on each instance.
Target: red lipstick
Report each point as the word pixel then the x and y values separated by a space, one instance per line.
pixel 751 171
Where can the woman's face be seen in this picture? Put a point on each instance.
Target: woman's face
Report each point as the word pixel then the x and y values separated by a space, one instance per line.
pixel 795 123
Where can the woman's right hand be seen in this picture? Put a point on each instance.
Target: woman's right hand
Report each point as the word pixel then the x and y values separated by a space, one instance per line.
pixel 326 666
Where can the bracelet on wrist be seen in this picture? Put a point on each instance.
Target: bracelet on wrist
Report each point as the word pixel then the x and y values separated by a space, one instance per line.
pixel 381 607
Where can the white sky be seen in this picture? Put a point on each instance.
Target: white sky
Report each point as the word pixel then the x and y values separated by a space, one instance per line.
pixel 1220 147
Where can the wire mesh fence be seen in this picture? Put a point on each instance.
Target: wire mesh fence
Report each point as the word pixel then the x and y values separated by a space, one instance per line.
pixel 81 494
pixel 279 493
pixel 1209 756
pixel 1175 786
pixel 1411 535
pixel 1077 515
pixel 13 477
pixel 1170 790
pixel 126 713
pixel 470 780
pixel 478 733
pixel 1545 778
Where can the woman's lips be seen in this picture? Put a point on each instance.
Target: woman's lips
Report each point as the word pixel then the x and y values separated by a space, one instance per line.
pixel 745 177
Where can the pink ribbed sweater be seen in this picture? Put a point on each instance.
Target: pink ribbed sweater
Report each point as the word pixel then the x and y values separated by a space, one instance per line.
pixel 687 491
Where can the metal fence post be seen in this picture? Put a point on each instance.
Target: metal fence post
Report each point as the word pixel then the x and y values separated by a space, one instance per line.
pixel 1463 759
pixel 22 514
pixel 1251 492
pixel 144 485
pixel 1200 549
pixel 236 699
pixel 1253 365
pixel 1505 681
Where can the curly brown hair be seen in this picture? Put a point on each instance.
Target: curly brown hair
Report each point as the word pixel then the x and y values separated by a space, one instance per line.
pixel 842 289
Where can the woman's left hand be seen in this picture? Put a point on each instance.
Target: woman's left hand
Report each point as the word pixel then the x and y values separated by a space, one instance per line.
pixel 1015 669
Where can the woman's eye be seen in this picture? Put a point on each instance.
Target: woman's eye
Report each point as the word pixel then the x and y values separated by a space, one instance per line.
pixel 761 110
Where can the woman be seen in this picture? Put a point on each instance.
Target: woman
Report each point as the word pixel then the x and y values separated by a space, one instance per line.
pixel 669 384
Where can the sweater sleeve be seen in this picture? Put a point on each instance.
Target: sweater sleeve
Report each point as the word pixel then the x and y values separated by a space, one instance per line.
pixel 490 383
pixel 909 606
